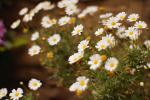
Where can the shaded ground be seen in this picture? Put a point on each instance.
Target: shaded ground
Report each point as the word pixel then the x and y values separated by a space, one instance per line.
pixel 16 65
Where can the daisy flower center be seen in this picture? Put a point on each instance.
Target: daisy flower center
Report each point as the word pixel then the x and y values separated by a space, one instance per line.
pixel 82 83
pixel 95 62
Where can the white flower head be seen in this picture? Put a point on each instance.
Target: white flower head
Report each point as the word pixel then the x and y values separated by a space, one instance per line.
pixel 35 36
pixel 63 20
pixel 121 32
pixel 54 39
pixel 34 84
pixel 110 39
pixel 148 65
pixel 71 9
pixel 133 17
pixel 83 45
pixel 47 22
pixel 75 57
pixel 147 44
pixel 23 11
pixel 112 22
pixel 99 31
pixel 16 94
pixel 3 92
pixel 15 24
pixel 28 17
pixel 121 15
pixel 132 33
pixel 107 15
pixel 102 45
pixel 140 25
pixel 77 30
pixel 80 84
pixel 95 61
pixel 34 50
pixel 111 64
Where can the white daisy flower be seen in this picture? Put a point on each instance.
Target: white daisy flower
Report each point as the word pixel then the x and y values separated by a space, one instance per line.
pixel 99 31
pixel 16 94
pixel 23 11
pixel 15 24
pixel 147 44
pixel 35 36
pixel 80 85
pixel 140 25
pixel 112 22
pixel 133 17
pixel 54 39
pixel 75 57
pixel 34 84
pixel 121 15
pixel 88 10
pixel 28 17
pixel 132 33
pixel 102 45
pixel 47 22
pixel 46 5
pixel 72 9
pixel 121 32
pixel 110 39
pixel 107 15
pixel 63 20
pixel 77 30
pixel 95 61
pixel 83 45
pixel 3 92
pixel 111 64
pixel 34 50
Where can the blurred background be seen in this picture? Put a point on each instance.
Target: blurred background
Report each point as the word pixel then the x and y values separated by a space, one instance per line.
pixel 16 65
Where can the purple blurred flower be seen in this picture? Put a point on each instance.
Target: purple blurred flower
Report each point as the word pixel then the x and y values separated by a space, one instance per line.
pixel 2 32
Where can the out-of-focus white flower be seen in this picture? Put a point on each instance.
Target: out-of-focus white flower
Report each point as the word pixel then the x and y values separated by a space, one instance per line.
pixel 80 85
pixel 147 44
pixel 72 9
pixel 140 25
pixel 66 3
pixel 88 10
pixel 102 45
pixel 3 92
pixel 28 17
pixel 47 22
pixel 141 83
pixel 132 33
pixel 110 39
pixel 83 45
pixel 121 32
pixel 112 22
pixel 77 30
pixel 133 17
pixel 63 20
pixel 121 15
pixel 45 5
pixel 23 11
pixel 34 50
pixel 34 84
pixel 111 64
pixel 99 31
pixel 35 36
pixel 95 61
pixel 75 57
pixel 148 65
pixel 15 24
pixel 16 94
pixel 107 15
pixel 54 39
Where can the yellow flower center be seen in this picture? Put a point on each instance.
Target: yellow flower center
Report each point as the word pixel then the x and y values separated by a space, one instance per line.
pixel 35 84
pixel 113 23
pixel 112 65
pixel 78 92
pixel 103 57
pixel 139 26
pixel 130 33
pixel 82 83
pixel 17 94
pixel 95 61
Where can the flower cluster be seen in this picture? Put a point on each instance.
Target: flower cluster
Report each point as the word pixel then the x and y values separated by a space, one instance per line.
pixel 104 54
pixel 16 94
